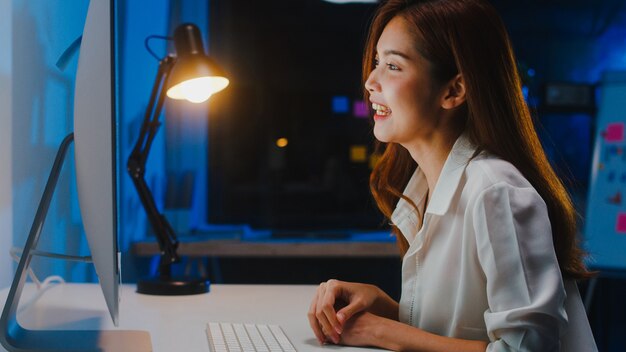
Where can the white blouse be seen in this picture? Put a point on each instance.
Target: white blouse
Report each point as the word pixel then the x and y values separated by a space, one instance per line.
pixel 482 266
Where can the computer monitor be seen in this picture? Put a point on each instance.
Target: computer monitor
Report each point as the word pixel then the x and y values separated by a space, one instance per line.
pixel 95 116
pixel 95 111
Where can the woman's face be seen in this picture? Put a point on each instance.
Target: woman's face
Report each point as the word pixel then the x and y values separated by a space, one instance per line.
pixel 402 91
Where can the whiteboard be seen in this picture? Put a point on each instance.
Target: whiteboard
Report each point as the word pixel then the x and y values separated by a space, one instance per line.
pixel 605 223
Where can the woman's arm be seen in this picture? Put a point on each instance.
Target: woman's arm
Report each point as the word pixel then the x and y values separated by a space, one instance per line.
pixel 370 318
pixel 366 329
pixel 524 286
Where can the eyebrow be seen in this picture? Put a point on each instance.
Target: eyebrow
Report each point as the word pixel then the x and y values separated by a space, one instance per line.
pixel 398 53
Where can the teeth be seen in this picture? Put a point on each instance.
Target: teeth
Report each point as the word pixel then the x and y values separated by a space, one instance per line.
pixel 381 109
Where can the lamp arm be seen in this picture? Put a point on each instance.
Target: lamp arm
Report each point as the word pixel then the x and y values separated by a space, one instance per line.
pixel 151 124
pixel 168 243
pixel 165 235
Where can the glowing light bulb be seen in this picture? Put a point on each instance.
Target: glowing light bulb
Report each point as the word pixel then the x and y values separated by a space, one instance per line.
pixel 198 97
pixel 197 90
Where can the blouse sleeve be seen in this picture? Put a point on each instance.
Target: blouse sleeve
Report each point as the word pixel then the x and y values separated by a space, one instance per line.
pixel 525 290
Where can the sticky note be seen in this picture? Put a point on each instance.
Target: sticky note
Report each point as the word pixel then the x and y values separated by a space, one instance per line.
pixel 358 153
pixel 340 104
pixel 621 223
pixel 359 109
pixel 614 132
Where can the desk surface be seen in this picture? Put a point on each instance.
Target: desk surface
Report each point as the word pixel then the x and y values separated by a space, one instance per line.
pixel 175 323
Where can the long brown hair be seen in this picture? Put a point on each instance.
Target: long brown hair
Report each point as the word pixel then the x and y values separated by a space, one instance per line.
pixel 468 36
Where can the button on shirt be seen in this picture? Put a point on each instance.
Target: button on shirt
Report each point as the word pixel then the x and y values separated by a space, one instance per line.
pixel 481 264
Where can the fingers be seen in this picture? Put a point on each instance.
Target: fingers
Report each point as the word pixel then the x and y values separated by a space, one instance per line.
pixel 325 311
pixel 322 316
pixel 317 319
pixel 333 290
pixel 348 311
pixel 315 326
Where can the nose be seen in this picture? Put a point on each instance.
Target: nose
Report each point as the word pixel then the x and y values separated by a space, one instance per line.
pixel 371 84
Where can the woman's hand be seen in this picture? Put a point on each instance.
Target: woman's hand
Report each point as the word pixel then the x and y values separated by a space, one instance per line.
pixel 350 298
pixel 361 329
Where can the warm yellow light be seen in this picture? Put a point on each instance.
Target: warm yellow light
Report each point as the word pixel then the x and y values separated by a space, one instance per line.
pixel 197 90
pixel 282 142
pixel 358 153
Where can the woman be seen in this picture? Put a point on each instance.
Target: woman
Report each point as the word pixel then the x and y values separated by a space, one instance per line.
pixel 486 229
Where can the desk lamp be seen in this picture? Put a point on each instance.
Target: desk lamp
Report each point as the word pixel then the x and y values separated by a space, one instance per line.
pixel 190 75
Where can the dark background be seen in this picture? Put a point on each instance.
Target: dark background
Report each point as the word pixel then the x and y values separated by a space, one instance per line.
pixel 288 59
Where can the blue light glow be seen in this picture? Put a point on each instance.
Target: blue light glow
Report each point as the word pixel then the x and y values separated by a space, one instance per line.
pixel 340 104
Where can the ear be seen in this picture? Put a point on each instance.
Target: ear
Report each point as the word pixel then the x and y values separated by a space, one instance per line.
pixel 454 93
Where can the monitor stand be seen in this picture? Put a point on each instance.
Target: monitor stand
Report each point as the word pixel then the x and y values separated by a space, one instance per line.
pixel 15 338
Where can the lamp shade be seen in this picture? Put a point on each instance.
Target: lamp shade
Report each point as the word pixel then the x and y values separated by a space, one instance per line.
pixel 194 77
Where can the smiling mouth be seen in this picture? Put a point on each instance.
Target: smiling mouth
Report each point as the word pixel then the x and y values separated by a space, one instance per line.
pixel 381 110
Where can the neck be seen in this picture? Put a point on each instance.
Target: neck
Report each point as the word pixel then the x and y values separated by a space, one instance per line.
pixel 431 154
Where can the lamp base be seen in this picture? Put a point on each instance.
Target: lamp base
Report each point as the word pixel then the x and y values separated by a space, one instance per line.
pixel 173 286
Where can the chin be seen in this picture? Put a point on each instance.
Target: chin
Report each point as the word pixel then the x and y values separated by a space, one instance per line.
pixel 381 136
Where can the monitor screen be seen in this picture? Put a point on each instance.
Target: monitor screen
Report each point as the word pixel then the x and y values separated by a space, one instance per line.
pixel 290 141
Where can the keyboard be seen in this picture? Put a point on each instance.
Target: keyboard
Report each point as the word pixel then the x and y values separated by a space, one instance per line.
pixel 231 337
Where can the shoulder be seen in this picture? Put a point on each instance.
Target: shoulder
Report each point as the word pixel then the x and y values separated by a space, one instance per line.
pixel 487 170
pixel 494 180
pixel 495 186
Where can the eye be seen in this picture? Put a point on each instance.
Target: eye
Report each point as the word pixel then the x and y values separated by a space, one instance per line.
pixel 393 67
pixel 376 62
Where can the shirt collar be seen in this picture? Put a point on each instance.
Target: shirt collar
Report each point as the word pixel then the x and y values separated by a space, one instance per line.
pixel 415 190
pixel 462 151
pixel 450 177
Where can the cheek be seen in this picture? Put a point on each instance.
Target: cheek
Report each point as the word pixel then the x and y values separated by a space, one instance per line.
pixel 418 100
pixel 407 95
pixel 408 104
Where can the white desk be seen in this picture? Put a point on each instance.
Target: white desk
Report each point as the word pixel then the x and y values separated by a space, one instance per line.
pixel 175 323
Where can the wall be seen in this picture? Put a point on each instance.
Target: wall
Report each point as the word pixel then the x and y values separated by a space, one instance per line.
pixel 138 70
pixel 573 42
pixel 42 104
pixel 6 269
